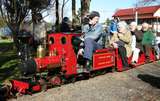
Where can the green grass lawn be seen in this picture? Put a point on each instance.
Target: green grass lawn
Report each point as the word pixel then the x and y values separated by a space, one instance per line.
pixel 8 61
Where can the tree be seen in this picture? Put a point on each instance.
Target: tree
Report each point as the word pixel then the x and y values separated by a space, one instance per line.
pixel 2 23
pixel 76 19
pixel 13 13
pixel 85 5
pixel 108 21
pixel 73 12
pixel 38 7
pixel 64 2
pixel 57 16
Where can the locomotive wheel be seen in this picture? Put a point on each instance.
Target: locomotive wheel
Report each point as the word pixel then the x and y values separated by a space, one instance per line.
pixel 92 75
pixel 43 84
pixel 56 81
pixel 73 79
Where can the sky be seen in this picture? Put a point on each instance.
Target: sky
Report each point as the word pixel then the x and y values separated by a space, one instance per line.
pixel 106 8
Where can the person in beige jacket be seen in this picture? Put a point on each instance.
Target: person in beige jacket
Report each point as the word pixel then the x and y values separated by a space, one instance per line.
pixel 122 41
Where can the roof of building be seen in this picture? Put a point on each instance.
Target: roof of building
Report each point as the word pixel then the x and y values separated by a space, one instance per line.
pixel 140 10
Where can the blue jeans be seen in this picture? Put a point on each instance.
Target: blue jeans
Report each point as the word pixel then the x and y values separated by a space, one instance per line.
pixel 90 46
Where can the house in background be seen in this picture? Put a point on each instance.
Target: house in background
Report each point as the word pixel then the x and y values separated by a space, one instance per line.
pixel 144 14
pixel 5 31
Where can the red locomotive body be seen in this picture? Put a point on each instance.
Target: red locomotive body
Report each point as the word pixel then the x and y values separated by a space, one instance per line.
pixel 62 55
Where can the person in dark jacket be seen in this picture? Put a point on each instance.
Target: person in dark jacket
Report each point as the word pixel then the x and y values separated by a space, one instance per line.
pixel 65 25
pixel 147 40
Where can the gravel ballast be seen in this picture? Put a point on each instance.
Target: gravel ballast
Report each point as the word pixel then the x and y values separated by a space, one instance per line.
pixel 139 84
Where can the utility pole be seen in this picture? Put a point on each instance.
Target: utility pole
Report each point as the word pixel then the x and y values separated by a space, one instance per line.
pixel 136 16
pixel 136 12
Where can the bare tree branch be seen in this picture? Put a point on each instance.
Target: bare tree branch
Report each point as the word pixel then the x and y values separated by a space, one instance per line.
pixel 63 5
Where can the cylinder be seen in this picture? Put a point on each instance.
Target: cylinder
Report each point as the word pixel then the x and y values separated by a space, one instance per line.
pixel 28 67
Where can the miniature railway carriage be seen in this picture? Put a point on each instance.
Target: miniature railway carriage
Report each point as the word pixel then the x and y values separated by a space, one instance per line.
pixel 61 63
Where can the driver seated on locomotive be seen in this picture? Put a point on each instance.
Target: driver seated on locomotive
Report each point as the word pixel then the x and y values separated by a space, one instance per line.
pixel 93 33
pixel 122 41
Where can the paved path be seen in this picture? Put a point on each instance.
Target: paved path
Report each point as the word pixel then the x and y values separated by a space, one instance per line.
pixel 138 84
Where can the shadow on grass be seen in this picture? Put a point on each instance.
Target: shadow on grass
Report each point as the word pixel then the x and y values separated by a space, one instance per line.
pixel 152 80
pixel 8 61
pixel 6 58
pixel 5 46
pixel 7 72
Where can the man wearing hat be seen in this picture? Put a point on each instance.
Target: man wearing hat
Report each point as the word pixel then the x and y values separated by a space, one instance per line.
pixel 92 37
pixel 65 25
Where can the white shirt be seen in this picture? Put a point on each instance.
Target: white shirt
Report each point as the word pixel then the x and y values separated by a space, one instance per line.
pixel 133 44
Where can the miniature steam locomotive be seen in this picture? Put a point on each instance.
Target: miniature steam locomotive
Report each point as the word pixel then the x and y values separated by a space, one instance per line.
pixel 60 63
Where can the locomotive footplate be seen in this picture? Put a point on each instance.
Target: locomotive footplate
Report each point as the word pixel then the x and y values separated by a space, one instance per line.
pixel 25 87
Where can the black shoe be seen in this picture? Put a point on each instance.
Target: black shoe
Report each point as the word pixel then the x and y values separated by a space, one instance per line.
pixel 88 65
pixel 133 63
pixel 85 70
pixel 147 60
